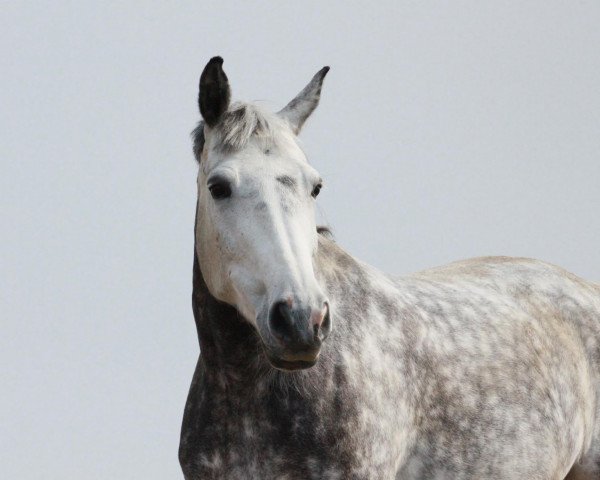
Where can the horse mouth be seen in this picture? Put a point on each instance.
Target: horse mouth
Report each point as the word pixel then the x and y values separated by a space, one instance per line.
pixel 291 365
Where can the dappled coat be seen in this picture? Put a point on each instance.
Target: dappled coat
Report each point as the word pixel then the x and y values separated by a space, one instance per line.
pixel 314 365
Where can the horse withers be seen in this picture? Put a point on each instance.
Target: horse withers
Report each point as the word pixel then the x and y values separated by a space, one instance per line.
pixel 314 365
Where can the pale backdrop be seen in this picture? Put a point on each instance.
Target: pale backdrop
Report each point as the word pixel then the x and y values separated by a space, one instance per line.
pixel 446 130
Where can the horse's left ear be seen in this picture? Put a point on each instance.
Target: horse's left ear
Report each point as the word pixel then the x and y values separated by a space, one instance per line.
pixel 299 109
pixel 215 92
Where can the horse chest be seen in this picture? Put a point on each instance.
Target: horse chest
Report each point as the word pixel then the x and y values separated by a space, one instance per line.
pixel 291 435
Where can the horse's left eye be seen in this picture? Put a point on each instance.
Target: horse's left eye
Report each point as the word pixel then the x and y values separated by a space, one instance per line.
pixel 316 190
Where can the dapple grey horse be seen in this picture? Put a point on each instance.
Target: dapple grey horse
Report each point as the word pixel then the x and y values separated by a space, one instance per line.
pixel 314 365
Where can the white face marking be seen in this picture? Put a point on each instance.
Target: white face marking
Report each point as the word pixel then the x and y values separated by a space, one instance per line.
pixel 256 247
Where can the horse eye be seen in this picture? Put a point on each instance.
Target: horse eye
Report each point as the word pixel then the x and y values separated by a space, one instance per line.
pixel 220 190
pixel 316 190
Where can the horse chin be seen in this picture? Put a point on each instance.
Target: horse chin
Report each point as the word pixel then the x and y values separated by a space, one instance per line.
pixel 291 366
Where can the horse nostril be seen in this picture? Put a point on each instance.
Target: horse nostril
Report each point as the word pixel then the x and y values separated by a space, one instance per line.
pixel 281 321
pixel 321 323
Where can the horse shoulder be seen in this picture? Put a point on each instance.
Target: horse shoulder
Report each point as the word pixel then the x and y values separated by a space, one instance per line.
pixel 488 316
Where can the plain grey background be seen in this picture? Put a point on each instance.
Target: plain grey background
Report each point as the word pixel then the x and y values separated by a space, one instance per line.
pixel 446 130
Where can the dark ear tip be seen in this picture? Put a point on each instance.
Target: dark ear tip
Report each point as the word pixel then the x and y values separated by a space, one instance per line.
pixel 324 71
pixel 218 60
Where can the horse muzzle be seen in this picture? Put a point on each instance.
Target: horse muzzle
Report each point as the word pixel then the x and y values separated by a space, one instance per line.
pixel 296 334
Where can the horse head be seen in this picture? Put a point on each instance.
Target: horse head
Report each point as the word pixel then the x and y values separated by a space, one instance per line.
pixel 256 234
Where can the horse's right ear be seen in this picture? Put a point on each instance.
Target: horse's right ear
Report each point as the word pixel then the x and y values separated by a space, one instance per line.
pixel 215 93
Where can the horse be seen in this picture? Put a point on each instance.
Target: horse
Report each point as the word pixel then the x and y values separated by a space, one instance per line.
pixel 314 365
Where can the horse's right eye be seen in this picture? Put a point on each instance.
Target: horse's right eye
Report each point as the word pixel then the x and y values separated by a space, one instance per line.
pixel 220 190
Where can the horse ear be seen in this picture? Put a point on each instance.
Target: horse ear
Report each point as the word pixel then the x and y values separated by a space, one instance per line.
pixel 299 109
pixel 215 93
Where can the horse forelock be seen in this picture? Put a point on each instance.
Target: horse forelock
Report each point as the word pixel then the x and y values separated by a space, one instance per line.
pixel 238 125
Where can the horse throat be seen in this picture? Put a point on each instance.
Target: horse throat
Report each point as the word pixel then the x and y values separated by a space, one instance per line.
pixel 228 343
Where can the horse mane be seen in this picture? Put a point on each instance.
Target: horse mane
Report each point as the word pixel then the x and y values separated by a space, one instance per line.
pixel 238 125
pixel 325 231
